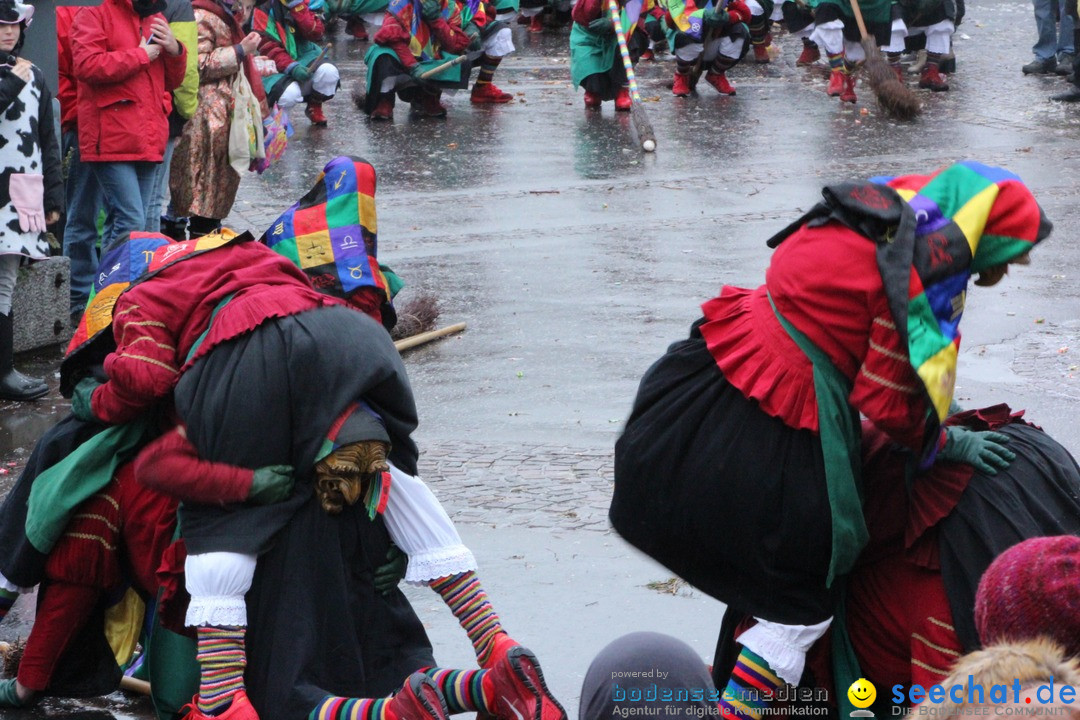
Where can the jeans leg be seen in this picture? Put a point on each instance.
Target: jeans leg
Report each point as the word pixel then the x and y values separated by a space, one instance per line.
pixel 1066 45
pixel 85 200
pixel 1046 47
pixel 160 196
pixel 120 185
pixel 147 174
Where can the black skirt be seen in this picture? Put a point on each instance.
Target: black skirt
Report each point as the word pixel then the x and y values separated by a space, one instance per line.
pixel 727 497
pixel 1036 496
pixel 269 397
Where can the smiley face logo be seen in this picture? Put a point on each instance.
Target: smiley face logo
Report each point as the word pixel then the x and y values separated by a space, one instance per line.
pixel 862 693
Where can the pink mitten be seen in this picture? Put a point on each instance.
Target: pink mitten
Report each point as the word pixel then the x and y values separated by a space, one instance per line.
pixel 28 196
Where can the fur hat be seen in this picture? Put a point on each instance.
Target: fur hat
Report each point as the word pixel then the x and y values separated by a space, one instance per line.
pixel 13 11
pixel 1032 589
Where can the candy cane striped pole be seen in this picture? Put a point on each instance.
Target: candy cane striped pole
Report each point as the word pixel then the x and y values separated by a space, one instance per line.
pixel 637 112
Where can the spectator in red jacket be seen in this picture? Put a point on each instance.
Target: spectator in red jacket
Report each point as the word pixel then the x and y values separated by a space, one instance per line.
pixel 125 59
pixel 83 192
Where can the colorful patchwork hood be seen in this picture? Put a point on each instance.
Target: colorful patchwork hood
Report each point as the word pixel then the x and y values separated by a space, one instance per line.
pixel 932 232
pixel 331 232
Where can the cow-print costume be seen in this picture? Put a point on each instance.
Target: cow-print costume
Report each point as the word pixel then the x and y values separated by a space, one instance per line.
pixel 28 144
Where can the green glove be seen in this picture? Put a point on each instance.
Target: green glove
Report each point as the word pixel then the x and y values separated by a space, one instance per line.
pixel 9 698
pixel 389 575
pixel 984 451
pixel 80 399
pixel 602 26
pixel 271 484
pixel 431 10
pixel 474 37
pixel 717 20
pixel 300 73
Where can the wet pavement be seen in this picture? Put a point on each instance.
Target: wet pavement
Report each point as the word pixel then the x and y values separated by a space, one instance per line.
pixel 575 259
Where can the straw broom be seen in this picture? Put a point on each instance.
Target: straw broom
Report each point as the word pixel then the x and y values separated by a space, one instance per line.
pixel 892 96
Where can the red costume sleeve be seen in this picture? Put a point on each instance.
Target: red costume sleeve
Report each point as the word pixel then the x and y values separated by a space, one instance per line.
pixel 172 466
pixel 142 369
pixel 396 36
pixel 585 11
pixel 450 36
pixel 886 389
pixel 309 25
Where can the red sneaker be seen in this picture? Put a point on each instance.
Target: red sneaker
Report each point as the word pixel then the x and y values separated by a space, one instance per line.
pixel 848 95
pixel 720 82
pixel 239 709
pixel 520 691
pixel 836 83
pixel 761 54
pixel 418 699
pixel 932 79
pixel 489 93
pixel 355 27
pixel 315 114
pixel 592 101
pixel 384 109
pixel 502 644
pixel 648 55
pixel 536 24
pixel 681 87
pixel 622 100
pixel 810 54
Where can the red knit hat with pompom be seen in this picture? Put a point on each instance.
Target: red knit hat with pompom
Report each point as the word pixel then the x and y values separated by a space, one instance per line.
pixel 1032 589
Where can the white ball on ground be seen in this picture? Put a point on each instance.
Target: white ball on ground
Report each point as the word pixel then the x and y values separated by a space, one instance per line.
pixel 648 145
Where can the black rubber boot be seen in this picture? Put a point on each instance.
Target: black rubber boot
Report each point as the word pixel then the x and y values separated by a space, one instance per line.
pixel 13 384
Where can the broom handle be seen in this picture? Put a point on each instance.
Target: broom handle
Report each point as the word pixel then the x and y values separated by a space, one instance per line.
pixel 616 20
pixel 445 66
pixel 422 338
pixel 859 19
pixel 311 65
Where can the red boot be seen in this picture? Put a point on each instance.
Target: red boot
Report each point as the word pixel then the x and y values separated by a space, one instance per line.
pixel 489 93
pixel 848 95
pixel 836 83
pixel 622 100
pixel 429 106
pixel 810 54
pixel 720 82
pixel 761 54
pixel 681 87
pixel 899 71
pixel 536 24
pixel 932 79
pixel 355 27
pixel 592 101
pixel 384 109
pixel 648 55
pixel 315 114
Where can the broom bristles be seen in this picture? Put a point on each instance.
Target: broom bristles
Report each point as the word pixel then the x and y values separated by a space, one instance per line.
pixel 892 96
pixel 419 315
pixel 359 95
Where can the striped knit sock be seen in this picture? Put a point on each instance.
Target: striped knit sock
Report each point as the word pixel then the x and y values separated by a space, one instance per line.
pixel 469 603
pixel 836 61
pixel 751 679
pixel 488 65
pixel 851 67
pixel 464 690
pixel 221 660
pixel 338 708
pixel 7 599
